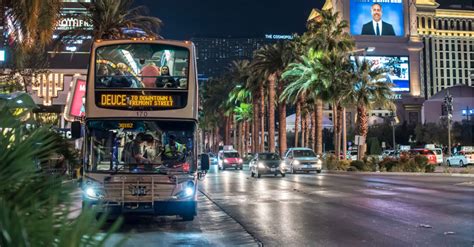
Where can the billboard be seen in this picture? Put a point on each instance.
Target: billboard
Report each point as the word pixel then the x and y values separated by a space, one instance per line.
pixel 75 108
pixel 397 67
pixel 377 17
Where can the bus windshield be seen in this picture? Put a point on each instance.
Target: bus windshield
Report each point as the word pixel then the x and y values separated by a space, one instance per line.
pixel 141 66
pixel 135 146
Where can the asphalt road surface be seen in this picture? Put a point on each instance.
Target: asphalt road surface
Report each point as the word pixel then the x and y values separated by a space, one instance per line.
pixel 318 210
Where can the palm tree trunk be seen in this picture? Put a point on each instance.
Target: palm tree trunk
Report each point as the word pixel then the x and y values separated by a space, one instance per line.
pixel 255 127
pixel 282 127
pixel 339 128
pixel 308 130
pixel 344 133
pixel 245 137
pixel 335 126
pixel 241 138
pixel 363 127
pixel 303 129
pixel 271 113
pixel 319 126
pixel 226 129
pixel 262 118
pixel 313 131
pixel 297 120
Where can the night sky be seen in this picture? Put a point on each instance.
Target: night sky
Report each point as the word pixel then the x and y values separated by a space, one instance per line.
pixel 184 19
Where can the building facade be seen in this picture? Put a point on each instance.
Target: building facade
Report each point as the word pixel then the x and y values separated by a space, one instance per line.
pixel 447 58
pixel 214 55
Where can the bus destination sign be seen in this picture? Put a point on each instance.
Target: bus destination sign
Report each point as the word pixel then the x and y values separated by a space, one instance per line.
pixel 133 101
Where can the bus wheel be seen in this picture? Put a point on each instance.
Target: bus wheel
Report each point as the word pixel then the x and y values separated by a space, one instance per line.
pixel 187 217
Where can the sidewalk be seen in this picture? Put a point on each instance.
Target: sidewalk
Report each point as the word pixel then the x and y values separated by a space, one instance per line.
pixel 439 171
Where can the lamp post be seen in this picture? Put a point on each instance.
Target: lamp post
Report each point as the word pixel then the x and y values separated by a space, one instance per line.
pixel 393 121
pixel 448 104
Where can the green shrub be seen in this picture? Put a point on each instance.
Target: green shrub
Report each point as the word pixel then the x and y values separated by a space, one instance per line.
pixel 359 165
pixel 352 169
pixel 371 163
pixel 343 165
pixel 429 168
pixel 421 160
pixel 387 164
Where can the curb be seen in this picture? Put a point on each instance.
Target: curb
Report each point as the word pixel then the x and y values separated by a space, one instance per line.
pixel 404 174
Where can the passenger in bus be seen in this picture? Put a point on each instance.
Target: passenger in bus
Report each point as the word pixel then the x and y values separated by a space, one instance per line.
pixel 123 78
pixel 166 80
pixel 149 74
pixel 183 81
pixel 133 151
pixel 103 76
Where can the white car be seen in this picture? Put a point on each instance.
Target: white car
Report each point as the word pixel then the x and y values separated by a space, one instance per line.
pixel 302 159
pixel 457 159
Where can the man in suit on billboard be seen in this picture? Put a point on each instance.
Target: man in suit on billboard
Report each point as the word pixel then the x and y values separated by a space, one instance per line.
pixel 377 26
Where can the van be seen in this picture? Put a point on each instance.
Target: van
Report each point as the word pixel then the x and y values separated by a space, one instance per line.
pixel 229 159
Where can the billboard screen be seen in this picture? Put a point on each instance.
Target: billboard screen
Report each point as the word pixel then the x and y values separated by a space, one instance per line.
pixel 377 17
pixel 75 108
pixel 397 67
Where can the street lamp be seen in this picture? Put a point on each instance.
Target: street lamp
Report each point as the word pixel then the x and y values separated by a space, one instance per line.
pixel 393 121
pixel 448 104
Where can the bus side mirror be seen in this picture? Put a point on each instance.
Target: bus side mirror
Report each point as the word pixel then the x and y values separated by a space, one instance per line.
pixel 205 162
pixel 76 129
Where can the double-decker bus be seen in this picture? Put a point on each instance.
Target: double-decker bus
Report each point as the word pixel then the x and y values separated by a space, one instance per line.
pixel 140 128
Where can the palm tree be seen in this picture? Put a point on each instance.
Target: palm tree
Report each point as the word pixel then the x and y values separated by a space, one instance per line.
pixel 306 81
pixel 33 21
pixel 272 60
pixel 370 89
pixel 111 19
pixel 326 34
pixel 36 208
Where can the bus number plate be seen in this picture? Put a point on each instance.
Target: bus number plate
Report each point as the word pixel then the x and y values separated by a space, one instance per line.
pixel 142 114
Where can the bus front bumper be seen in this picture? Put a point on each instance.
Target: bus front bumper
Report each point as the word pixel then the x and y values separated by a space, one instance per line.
pixel 157 208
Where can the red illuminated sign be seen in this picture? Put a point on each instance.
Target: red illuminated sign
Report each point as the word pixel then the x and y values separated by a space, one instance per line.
pixel 76 100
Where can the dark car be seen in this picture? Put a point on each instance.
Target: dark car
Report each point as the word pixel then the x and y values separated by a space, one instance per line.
pixel 267 163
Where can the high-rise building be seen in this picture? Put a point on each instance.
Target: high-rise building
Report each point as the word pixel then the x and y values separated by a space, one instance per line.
pixel 214 55
pixel 447 58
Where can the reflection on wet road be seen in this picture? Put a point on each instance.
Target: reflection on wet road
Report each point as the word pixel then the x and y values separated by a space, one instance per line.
pixel 347 209
pixel 318 210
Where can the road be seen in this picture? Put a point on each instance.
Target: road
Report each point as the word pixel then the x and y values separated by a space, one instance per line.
pixel 320 210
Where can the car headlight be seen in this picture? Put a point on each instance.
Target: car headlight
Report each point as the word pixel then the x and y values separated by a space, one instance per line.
pixel 225 161
pixel 261 165
pixel 319 162
pixel 296 162
pixel 282 165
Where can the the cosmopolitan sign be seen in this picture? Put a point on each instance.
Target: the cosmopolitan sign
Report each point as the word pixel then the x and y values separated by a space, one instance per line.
pixel 279 36
pixel 71 23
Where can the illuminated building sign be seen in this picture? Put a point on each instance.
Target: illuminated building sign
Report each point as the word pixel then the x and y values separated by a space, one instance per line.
pixel 76 100
pixel 279 36
pixel 47 86
pixel 138 101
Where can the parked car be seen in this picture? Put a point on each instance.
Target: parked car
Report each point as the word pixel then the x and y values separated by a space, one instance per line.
pixel 457 159
pixel 430 154
pixel 302 159
pixel 229 159
pixel 213 158
pixel 267 163
pixel 439 155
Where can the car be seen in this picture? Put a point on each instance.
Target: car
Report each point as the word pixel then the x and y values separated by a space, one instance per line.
pixel 267 163
pixel 302 159
pixel 229 159
pixel 457 159
pixel 439 155
pixel 213 158
pixel 430 154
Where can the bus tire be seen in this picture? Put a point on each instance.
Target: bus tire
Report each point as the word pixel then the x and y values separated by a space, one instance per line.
pixel 187 217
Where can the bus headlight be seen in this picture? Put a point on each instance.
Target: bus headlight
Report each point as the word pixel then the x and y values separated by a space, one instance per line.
pixel 188 191
pixel 93 193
